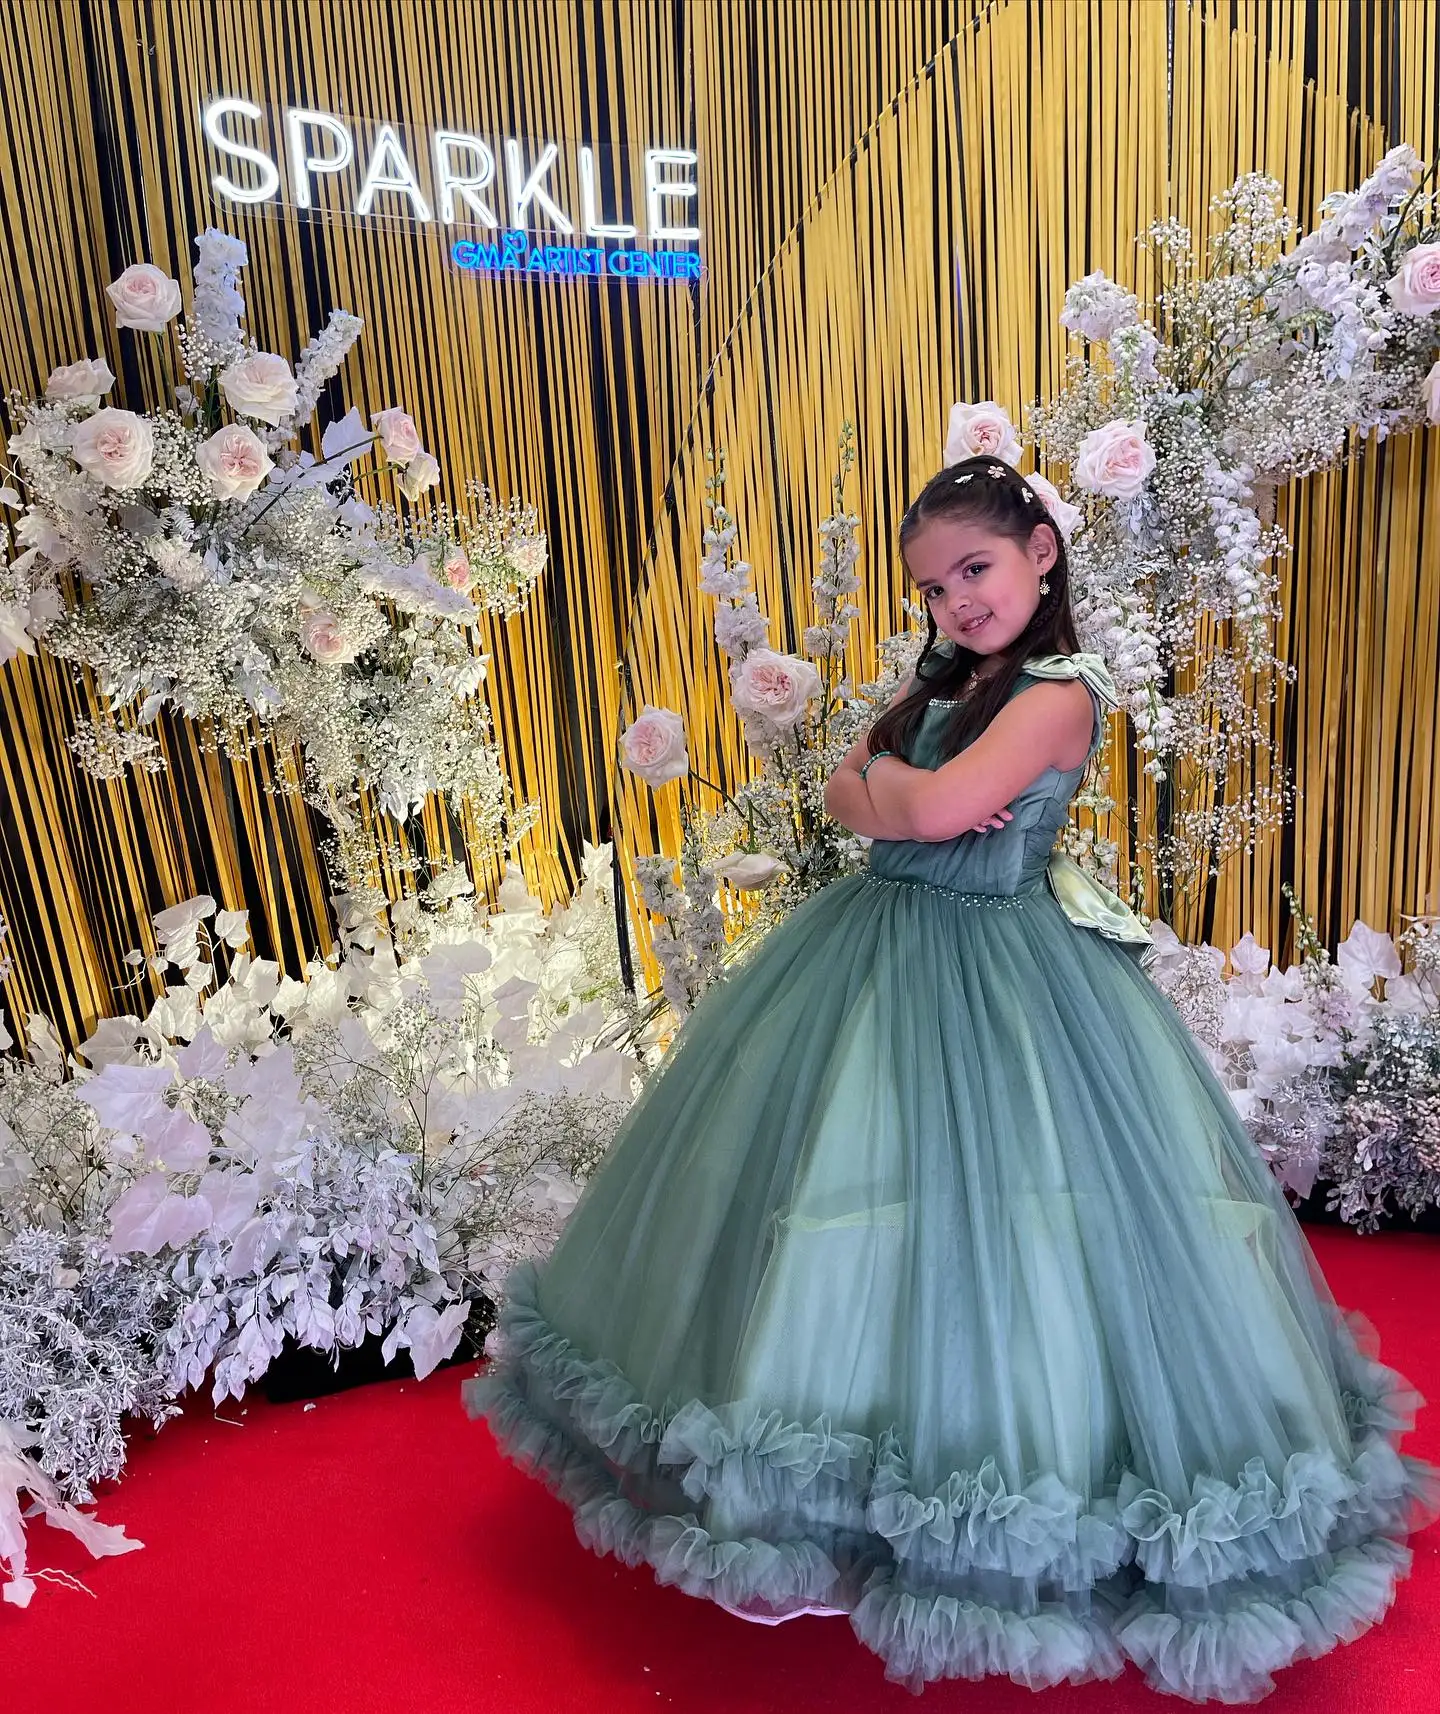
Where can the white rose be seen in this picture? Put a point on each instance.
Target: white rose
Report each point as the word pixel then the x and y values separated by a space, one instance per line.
pixel 235 460
pixel 1430 392
pixel 398 434
pixel 1063 515
pixel 1415 290
pixel 750 871
pixel 775 686
pixel 115 447
pixel 420 473
pixel 981 431
pixel 82 383
pixel 323 637
pixel 527 554
pixel 260 386
pixel 654 746
pixel 145 298
pixel 1115 460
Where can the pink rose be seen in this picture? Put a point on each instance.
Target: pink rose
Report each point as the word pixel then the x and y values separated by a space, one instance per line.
pixel 775 686
pixel 145 298
pixel 398 434
pixel 82 383
pixel 322 636
pixel 981 431
pixel 235 460
pixel 1115 460
pixel 1430 392
pixel 1415 290
pixel 1063 515
pixel 115 447
pixel 261 386
pixel 455 569
pixel 420 473
pixel 654 746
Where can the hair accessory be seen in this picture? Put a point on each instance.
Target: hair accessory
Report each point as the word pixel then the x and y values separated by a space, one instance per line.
pixel 997 469
pixel 1026 495
pixel 967 477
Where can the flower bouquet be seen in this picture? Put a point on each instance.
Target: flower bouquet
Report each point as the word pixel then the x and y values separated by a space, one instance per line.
pixel 198 558
pixel 1256 365
pixel 1333 1064
pixel 362 1153
pixel 771 837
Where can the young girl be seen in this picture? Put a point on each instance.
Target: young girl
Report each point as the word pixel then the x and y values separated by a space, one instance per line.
pixel 932 1279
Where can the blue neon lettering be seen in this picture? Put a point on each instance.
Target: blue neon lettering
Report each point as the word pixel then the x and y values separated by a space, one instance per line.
pixel 514 254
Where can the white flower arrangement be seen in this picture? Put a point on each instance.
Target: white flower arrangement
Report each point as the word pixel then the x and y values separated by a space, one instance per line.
pixel 1176 429
pixel 772 839
pixel 198 558
pixel 1333 1065
pixel 257 1159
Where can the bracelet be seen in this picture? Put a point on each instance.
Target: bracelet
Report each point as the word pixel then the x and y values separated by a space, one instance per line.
pixel 873 760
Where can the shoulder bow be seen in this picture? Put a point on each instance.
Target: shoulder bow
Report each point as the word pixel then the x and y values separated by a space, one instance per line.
pixel 1089 669
pixel 1082 898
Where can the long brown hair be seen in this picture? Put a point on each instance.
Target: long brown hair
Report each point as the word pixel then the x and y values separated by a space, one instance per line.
pixel 969 492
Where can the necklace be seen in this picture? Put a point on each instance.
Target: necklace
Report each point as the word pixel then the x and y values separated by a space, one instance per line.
pixel 972 684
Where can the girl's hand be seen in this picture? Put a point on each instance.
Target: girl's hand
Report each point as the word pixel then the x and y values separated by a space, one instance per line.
pixel 1000 817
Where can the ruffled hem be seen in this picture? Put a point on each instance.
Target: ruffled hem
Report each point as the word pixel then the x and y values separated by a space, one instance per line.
pixel 924 1636
pixel 975 1523
pixel 781 1576
pixel 1229 1655
pixel 1209 1597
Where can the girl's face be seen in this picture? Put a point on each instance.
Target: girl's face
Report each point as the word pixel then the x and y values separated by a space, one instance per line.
pixel 983 589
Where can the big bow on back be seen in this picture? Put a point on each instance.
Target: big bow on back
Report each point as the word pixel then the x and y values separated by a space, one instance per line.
pixel 1083 899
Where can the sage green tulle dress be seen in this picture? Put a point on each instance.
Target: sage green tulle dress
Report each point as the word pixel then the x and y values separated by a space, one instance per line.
pixel 933 1280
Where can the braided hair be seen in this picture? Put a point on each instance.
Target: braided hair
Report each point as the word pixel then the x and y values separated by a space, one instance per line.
pixel 997 498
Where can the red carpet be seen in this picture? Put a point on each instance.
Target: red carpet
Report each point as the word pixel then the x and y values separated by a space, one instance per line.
pixel 373 1555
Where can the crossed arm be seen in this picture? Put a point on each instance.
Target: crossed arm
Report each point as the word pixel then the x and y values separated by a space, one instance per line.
pixel 1048 725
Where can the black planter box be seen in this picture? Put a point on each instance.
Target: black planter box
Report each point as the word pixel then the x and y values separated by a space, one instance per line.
pixel 1313 1212
pixel 302 1373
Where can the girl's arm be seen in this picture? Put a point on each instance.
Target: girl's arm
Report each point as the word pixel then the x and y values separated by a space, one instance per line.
pixel 847 796
pixel 847 799
pixel 1048 726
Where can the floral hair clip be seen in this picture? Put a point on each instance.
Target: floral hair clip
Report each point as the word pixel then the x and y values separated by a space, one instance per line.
pixel 996 469
pixel 967 477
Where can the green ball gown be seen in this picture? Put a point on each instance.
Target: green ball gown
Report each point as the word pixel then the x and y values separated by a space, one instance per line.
pixel 933 1280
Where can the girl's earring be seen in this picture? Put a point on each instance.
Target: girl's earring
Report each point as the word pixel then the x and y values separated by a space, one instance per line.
pixel 1045 585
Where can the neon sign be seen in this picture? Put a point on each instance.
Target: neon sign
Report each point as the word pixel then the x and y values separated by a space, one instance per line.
pixel 514 254
pixel 522 193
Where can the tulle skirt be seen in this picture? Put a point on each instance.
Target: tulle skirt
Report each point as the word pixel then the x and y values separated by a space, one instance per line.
pixel 933 1280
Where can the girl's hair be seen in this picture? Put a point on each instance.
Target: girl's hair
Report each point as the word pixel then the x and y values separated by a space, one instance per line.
pixel 1005 504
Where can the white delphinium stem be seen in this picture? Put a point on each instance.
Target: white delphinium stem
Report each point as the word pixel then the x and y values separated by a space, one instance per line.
pixel 214 336
pixel 319 362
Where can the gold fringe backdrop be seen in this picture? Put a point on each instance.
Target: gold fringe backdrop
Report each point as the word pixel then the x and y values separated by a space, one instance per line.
pixel 894 196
